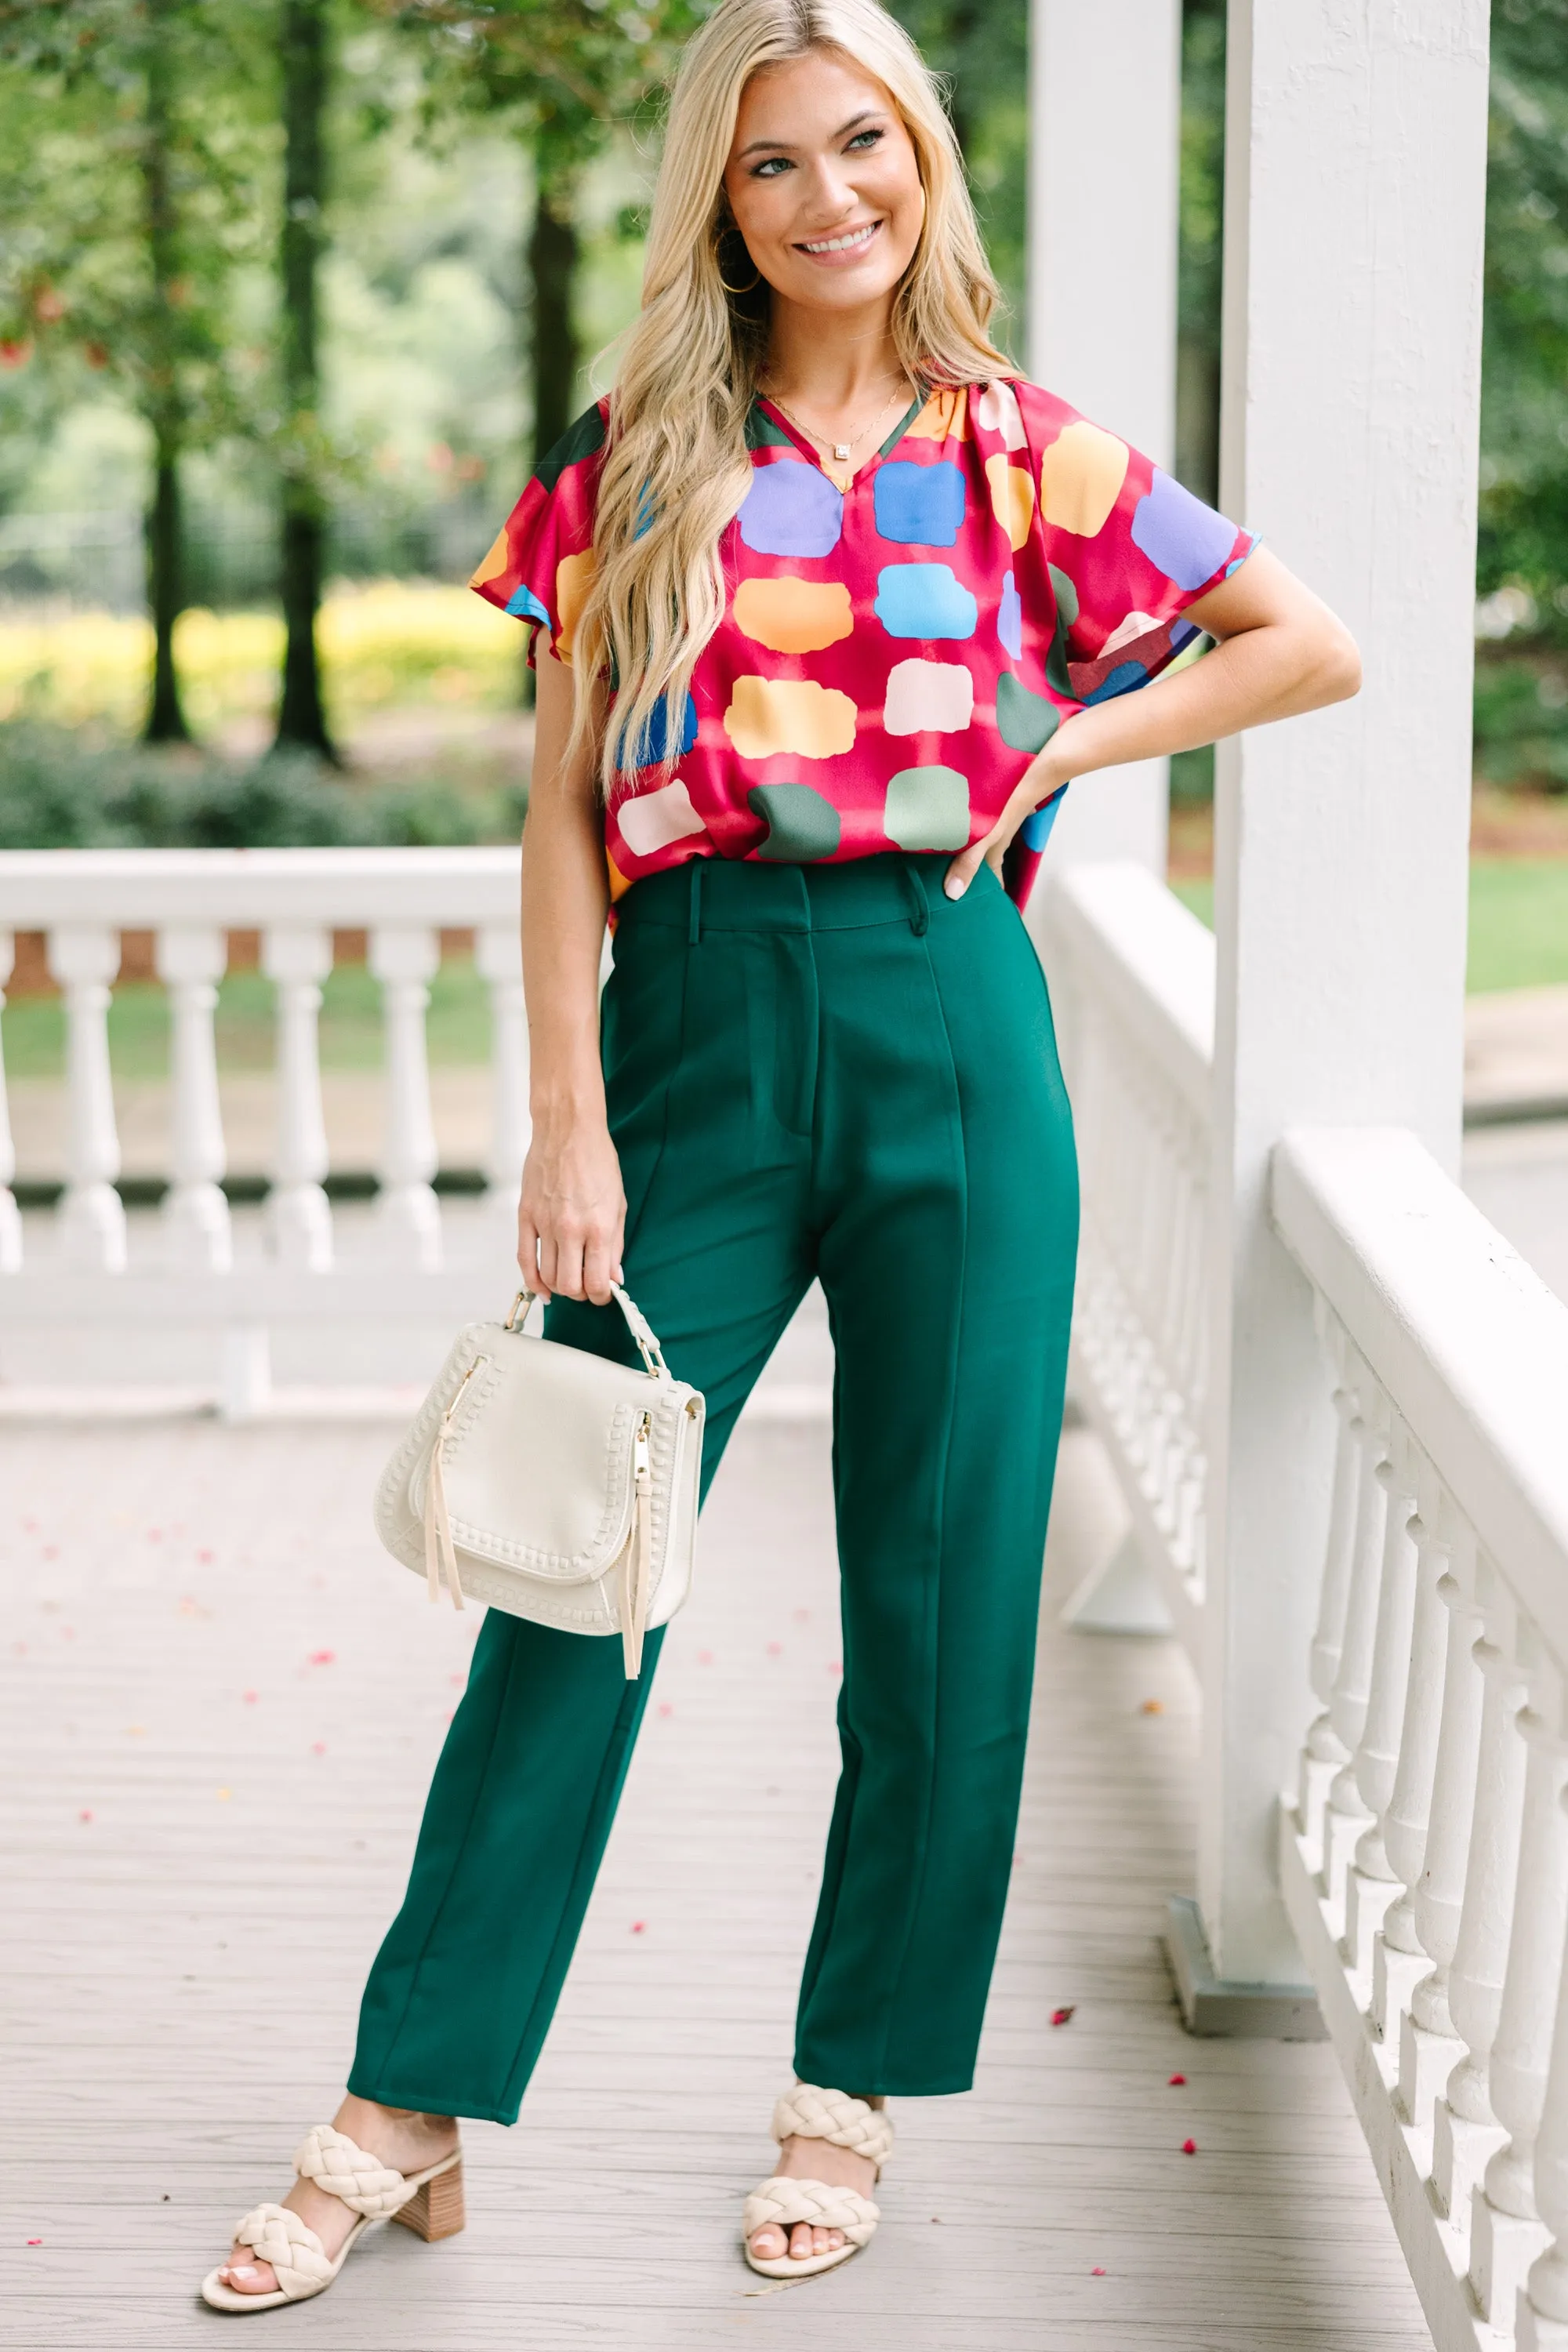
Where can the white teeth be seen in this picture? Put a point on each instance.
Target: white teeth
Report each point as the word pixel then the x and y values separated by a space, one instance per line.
pixel 843 244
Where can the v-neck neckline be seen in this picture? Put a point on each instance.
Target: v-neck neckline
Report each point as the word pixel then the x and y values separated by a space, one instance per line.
pixel 800 441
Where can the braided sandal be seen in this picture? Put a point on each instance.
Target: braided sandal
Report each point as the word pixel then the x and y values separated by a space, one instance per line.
pixel 809 2113
pixel 430 2203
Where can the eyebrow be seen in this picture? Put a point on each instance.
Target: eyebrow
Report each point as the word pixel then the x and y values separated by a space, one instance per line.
pixel 782 146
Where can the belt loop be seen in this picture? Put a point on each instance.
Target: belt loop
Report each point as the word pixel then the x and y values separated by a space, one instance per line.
pixel 694 920
pixel 915 890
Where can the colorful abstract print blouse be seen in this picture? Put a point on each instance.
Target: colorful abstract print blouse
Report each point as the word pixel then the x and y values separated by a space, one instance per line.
pixel 893 656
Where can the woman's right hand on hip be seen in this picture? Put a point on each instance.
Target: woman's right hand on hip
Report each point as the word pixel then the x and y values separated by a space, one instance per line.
pixel 571 1217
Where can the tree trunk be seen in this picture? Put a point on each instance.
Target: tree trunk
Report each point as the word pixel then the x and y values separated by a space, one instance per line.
pixel 302 720
pixel 165 719
pixel 552 255
pixel 162 535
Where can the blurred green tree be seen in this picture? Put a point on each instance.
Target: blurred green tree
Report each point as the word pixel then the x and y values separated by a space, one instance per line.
pixel 567 73
pixel 128 182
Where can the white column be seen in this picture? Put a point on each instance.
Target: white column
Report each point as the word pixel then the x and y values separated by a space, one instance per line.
pixel 84 959
pixel 191 960
pixel 1105 96
pixel 10 1215
pixel 1354 212
pixel 405 958
pixel 497 951
pixel 300 1218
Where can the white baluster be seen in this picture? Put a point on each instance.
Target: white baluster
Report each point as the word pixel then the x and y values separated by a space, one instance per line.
pixel 1401 1958
pixel 1371 1884
pixel 299 1216
pixel 1347 1813
pixel 10 1215
pixel 404 960
pixel 497 951
pixel 1465 2132
pixel 1542 2309
pixel 1429 2047
pixel 1507 2231
pixel 190 964
pixel 90 1219
pixel 1325 1751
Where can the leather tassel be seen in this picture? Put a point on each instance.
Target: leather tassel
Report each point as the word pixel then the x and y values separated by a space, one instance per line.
pixel 440 1552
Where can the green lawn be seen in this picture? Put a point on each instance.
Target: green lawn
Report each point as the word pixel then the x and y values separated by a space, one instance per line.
pixel 458 1030
pixel 1519 921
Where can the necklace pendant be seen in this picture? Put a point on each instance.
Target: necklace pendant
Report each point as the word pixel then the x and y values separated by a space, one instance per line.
pixel 841 450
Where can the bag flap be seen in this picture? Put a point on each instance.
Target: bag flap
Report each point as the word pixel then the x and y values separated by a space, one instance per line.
pixel 538 1464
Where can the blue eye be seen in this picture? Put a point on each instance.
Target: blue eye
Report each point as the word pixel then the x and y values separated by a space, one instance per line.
pixel 861 137
pixel 771 168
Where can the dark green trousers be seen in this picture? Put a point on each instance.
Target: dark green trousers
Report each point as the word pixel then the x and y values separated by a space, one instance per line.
pixel 830 1071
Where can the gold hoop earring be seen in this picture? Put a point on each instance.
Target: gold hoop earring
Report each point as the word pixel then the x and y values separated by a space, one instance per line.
pixel 756 276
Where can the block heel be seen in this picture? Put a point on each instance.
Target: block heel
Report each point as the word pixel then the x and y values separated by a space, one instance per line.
pixel 437 2209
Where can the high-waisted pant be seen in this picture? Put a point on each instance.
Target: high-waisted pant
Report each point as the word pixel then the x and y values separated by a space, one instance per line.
pixel 830 1071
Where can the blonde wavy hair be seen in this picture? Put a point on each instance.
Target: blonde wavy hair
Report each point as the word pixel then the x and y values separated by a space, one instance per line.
pixel 676 465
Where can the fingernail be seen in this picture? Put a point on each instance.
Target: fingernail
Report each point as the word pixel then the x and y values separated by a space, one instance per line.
pixel 954 889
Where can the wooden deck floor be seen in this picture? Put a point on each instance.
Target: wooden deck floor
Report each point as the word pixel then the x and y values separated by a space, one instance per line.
pixel 221 1703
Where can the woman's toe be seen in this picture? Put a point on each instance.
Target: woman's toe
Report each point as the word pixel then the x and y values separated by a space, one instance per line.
pixel 769 2243
pixel 248 2278
pixel 800 2241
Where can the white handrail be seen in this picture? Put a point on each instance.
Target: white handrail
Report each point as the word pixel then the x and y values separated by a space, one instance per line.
pixel 1456 1326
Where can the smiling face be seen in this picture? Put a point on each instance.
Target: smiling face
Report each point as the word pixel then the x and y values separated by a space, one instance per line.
pixel 824 184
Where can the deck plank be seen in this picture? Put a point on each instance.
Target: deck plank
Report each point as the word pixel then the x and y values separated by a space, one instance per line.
pixel 180 1970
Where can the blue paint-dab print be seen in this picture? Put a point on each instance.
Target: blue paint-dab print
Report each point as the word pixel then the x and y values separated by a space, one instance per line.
pixel 524 605
pixel 919 505
pixel 924 600
pixel 1123 679
pixel 1036 829
pixel 791 509
pixel 1181 537
pixel 651 749
pixel 1183 631
pixel 1010 618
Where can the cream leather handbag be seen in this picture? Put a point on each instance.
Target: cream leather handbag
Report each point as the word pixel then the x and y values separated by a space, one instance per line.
pixel 550 1483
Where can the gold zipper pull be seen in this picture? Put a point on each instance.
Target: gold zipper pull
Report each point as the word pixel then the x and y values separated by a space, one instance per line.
pixel 642 1468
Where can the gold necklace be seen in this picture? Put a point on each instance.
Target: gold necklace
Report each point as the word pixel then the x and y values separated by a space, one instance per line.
pixel 842 450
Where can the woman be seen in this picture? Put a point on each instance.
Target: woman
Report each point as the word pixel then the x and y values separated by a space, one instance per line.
pixel 870 600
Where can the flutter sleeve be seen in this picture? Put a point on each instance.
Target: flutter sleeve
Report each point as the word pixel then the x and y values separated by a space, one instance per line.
pixel 541 565
pixel 1125 549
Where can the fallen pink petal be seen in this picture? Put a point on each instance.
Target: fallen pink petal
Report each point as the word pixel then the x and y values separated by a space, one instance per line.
pixel 323 1657
pixel 1189 2147
pixel 1177 2083
pixel 1062 2016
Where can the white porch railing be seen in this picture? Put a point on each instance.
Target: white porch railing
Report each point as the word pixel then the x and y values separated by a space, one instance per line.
pixel 296 898
pixel 1132 976
pixel 1424 1860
